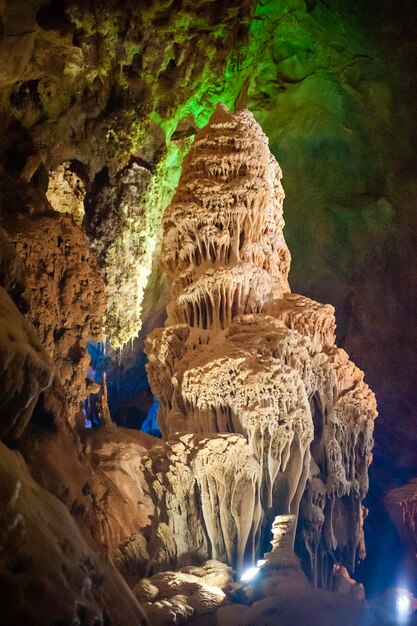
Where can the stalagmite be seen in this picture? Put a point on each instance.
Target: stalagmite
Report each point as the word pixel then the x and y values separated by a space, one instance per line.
pixel 241 354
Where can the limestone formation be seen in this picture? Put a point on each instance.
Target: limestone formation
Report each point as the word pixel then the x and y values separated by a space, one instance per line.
pixel 246 370
pixel 116 86
pixel 12 272
pixel 206 495
pixel 104 83
pixel 177 597
pixel 25 370
pixel 48 573
pixel 402 507
pixel 118 224
pixel 64 290
pixel 66 192
pixel 120 492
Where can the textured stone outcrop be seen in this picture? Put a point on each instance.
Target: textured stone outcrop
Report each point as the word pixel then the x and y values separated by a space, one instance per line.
pixel 240 354
pixel 131 82
pixel 120 493
pixel 25 369
pixel 66 192
pixel 122 236
pixel 93 85
pixel 308 607
pixel 157 502
pixel 402 507
pixel 83 80
pixel 206 496
pixel 12 272
pixel 278 594
pixel 64 290
pixel 48 573
pixel 178 597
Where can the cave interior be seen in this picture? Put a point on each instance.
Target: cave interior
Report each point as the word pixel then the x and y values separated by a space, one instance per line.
pixel 208 296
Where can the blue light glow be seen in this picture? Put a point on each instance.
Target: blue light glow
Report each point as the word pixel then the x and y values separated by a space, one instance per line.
pixel 249 574
pixel 150 424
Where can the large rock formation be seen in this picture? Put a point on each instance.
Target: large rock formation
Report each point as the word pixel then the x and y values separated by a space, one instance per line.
pixel 25 370
pixel 53 565
pixel 48 573
pixel 246 370
pixel 64 289
pixel 118 224
pixel 402 507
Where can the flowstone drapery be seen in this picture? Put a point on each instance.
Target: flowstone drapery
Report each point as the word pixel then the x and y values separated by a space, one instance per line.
pixel 271 413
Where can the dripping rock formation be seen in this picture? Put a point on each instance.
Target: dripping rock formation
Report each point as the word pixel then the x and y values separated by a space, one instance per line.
pixel 264 420
pixel 263 414
pixel 99 104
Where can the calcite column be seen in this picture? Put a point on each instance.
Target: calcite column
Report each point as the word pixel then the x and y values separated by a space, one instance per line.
pixel 240 354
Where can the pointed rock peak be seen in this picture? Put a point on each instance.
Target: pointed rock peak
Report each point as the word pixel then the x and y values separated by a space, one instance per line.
pixel 224 226
pixel 221 114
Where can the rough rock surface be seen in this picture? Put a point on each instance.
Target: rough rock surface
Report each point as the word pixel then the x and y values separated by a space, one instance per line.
pixel 48 573
pixel 333 88
pixel 66 192
pixel 118 225
pixel 241 354
pixel 205 490
pixel 90 86
pixel 308 607
pixel 12 271
pixel 279 595
pixel 120 491
pixel 51 570
pixel 150 498
pixel 402 506
pixel 64 288
pixel 178 597
pixel 25 370
pixel 331 83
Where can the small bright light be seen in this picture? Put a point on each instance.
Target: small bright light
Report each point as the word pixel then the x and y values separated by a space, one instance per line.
pixel 403 605
pixel 249 574
pixel 260 562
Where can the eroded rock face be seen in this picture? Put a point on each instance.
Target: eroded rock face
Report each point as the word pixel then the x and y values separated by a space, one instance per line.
pixel 54 533
pixel 120 492
pixel 101 85
pixel 206 493
pixel 48 573
pixel 177 597
pixel 25 369
pixel 118 224
pixel 64 291
pixel 241 354
pixel 402 507
pixel 66 192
